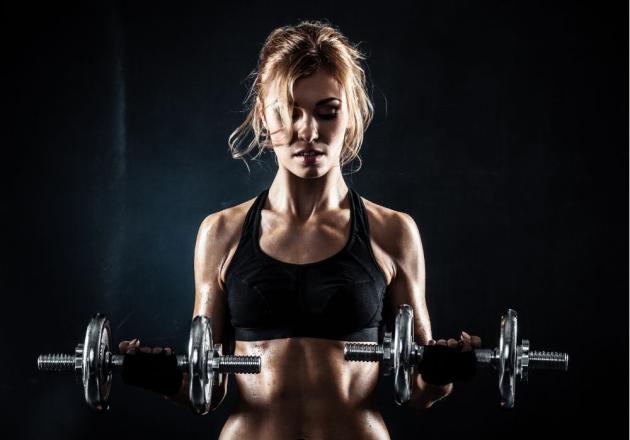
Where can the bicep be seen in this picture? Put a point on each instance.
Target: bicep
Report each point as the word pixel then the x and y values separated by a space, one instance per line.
pixel 409 279
pixel 210 297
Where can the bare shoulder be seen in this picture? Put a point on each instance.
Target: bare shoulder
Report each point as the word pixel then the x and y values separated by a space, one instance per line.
pixel 394 231
pixel 226 222
pixel 219 233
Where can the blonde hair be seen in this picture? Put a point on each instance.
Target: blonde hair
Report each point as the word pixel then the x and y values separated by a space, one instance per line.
pixel 292 52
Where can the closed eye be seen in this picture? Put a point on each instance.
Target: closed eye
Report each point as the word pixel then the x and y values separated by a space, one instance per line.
pixel 325 116
pixel 331 115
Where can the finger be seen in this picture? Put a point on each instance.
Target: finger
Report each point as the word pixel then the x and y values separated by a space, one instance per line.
pixel 145 349
pixel 122 346
pixel 168 351
pixel 464 337
pixel 156 350
pixel 441 342
pixel 431 342
pixel 476 341
pixel 452 343
pixel 466 346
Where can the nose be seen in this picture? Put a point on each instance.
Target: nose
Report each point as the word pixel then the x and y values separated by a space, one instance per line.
pixel 307 129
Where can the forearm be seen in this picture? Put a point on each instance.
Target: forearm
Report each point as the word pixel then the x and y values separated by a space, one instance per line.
pixel 424 395
pixel 181 396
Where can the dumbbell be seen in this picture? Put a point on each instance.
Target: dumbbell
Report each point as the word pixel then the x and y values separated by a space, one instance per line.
pixel 93 362
pixel 400 356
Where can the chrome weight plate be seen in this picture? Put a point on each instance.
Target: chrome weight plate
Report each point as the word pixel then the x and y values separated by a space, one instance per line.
pixel 200 371
pixel 508 358
pixel 96 374
pixel 218 378
pixel 403 345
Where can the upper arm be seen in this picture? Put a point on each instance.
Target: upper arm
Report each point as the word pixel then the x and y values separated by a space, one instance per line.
pixel 211 249
pixel 408 282
pixel 210 252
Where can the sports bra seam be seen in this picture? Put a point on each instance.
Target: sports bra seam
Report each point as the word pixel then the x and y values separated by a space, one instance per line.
pixel 289 332
pixel 284 328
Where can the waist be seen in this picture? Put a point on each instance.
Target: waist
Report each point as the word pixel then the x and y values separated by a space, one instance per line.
pixel 317 420
pixel 302 373
pixel 315 406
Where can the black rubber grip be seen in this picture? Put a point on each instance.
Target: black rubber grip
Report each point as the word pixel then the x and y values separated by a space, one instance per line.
pixel 153 371
pixel 442 365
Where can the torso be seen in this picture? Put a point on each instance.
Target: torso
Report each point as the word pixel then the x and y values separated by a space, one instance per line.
pixel 306 389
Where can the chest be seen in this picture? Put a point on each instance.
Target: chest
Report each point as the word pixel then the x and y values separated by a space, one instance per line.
pixel 338 293
pixel 315 241
pixel 330 287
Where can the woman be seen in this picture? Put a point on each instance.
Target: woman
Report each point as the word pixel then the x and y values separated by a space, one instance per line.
pixel 309 264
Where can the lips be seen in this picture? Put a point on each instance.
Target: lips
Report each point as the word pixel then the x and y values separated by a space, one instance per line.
pixel 308 151
pixel 308 159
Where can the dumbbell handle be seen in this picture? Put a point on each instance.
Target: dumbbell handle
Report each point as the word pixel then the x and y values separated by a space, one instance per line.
pixel 224 364
pixel 538 360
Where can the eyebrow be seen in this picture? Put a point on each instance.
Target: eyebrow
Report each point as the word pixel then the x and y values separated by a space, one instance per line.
pixel 323 101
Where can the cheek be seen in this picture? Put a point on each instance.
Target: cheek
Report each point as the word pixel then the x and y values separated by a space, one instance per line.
pixel 344 120
pixel 338 129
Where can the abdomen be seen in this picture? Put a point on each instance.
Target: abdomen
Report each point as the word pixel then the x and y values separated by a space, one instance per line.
pixel 305 390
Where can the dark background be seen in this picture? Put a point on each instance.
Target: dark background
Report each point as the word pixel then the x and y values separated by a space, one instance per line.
pixel 501 127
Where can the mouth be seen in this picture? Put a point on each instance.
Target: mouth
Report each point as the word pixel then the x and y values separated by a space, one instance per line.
pixel 307 153
pixel 309 157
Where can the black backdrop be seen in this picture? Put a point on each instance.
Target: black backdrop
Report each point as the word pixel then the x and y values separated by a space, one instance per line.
pixel 500 127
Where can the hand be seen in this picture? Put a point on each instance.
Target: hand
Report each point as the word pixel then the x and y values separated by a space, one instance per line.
pixel 134 345
pixel 158 373
pixel 424 394
pixel 466 342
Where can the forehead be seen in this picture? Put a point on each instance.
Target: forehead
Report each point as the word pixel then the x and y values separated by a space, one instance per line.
pixel 310 89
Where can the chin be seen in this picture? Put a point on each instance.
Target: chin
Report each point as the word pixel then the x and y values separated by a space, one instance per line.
pixel 310 174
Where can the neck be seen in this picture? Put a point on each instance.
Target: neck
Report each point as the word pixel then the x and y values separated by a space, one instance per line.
pixel 302 198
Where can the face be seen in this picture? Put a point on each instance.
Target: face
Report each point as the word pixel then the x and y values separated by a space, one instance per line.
pixel 320 120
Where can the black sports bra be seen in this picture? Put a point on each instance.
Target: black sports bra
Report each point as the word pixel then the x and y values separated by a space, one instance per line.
pixel 338 298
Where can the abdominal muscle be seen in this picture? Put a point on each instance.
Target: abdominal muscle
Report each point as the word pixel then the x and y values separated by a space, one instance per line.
pixel 305 390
